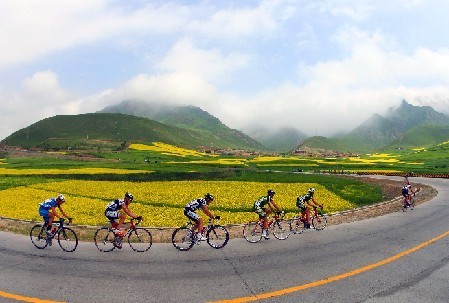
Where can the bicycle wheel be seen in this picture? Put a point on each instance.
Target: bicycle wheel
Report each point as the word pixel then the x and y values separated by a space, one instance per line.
pixel 39 236
pixel 281 229
pixel 319 222
pixel 104 239
pixel 296 225
pixel 182 238
pixel 412 203
pixel 140 239
pixel 67 239
pixel 252 232
pixel 217 236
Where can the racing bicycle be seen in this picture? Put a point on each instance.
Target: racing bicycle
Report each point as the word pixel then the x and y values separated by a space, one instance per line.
pixel 411 201
pixel 252 231
pixel 184 237
pixel 139 238
pixel 66 236
pixel 319 221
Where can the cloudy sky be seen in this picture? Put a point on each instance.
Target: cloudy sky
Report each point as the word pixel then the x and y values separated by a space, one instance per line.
pixel 322 66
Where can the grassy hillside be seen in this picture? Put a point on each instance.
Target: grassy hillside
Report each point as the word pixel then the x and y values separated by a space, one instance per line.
pixel 63 131
pixel 210 128
pixel 423 136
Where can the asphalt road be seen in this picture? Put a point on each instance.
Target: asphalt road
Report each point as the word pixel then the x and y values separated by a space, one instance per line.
pixel 400 257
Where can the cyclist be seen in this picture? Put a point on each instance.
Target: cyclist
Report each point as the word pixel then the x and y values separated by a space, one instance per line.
pixel 193 206
pixel 113 212
pixel 47 210
pixel 407 192
pixel 305 203
pixel 263 207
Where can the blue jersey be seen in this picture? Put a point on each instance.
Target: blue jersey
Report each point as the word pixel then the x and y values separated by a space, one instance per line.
pixel 48 204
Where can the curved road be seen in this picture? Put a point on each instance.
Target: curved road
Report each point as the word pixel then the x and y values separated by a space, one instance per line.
pixel 400 257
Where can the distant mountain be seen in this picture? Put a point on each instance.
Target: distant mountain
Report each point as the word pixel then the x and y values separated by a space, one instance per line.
pixel 406 124
pixel 108 127
pixel 281 140
pixel 212 130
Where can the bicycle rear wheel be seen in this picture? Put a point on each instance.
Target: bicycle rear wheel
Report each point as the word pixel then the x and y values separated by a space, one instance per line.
pixel 38 236
pixel 182 238
pixel 252 232
pixel 140 239
pixel 67 239
pixel 296 225
pixel 281 229
pixel 104 239
pixel 319 222
pixel 217 236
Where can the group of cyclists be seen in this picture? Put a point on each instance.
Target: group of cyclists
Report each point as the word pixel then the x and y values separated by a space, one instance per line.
pixel 117 210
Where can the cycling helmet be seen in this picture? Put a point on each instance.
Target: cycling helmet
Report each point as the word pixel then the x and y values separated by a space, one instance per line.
pixel 61 198
pixel 311 190
pixel 129 196
pixel 209 197
pixel 271 192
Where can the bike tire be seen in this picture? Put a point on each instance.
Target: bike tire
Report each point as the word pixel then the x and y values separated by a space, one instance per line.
pixel 104 239
pixel 38 236
pixel 140 239
pixel 412 203
pixel 296 226
pixel 67 239
pixel 217 236
pixel 252 232
pixel 319 222
pixel 182 239
pixel 281 229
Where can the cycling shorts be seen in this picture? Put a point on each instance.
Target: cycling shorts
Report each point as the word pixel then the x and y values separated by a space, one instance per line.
pixel 191 215
pixel 112 215
pixel 45 213
pixel 261 212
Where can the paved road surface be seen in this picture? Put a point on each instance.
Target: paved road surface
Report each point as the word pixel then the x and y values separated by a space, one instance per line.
pixel 339 264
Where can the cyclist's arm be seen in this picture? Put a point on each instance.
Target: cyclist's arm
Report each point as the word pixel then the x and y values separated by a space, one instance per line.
pixel 128 211
pixel 62 211
pixel 55 214
pixel 208 213
pixel 314 203
pixel 273 205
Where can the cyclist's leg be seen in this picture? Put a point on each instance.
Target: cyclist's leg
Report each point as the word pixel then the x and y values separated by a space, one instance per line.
pixel 196 219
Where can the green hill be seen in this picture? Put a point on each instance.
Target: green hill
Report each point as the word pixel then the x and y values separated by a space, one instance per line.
pixel 421 136
pixel 211 129
pixel 74 129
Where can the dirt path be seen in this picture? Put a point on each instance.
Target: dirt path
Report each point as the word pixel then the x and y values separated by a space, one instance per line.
pixel 390 189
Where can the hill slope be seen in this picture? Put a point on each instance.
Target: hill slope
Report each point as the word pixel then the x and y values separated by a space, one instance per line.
pixel 213 131
pixel 112 127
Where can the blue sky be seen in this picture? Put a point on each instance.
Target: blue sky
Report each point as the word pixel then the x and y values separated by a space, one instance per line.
pixel 319 66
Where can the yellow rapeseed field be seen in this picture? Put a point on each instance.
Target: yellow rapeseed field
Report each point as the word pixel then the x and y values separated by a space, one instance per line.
pixel 160 203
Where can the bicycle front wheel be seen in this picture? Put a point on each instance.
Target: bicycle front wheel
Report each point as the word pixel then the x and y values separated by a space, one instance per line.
pixel 281 229
pixel 217 236
pixel 296 226
pixel 252 232
pixel 319 222
pixel 182 239
pixel 39 236
pixel 140 239
pixel 67 239
pixel 104 239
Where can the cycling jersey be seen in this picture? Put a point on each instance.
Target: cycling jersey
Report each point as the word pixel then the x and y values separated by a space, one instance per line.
pixel 196 204
pixel 48 204
pixel 115 205
pixel 405 191
pixel 262 202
